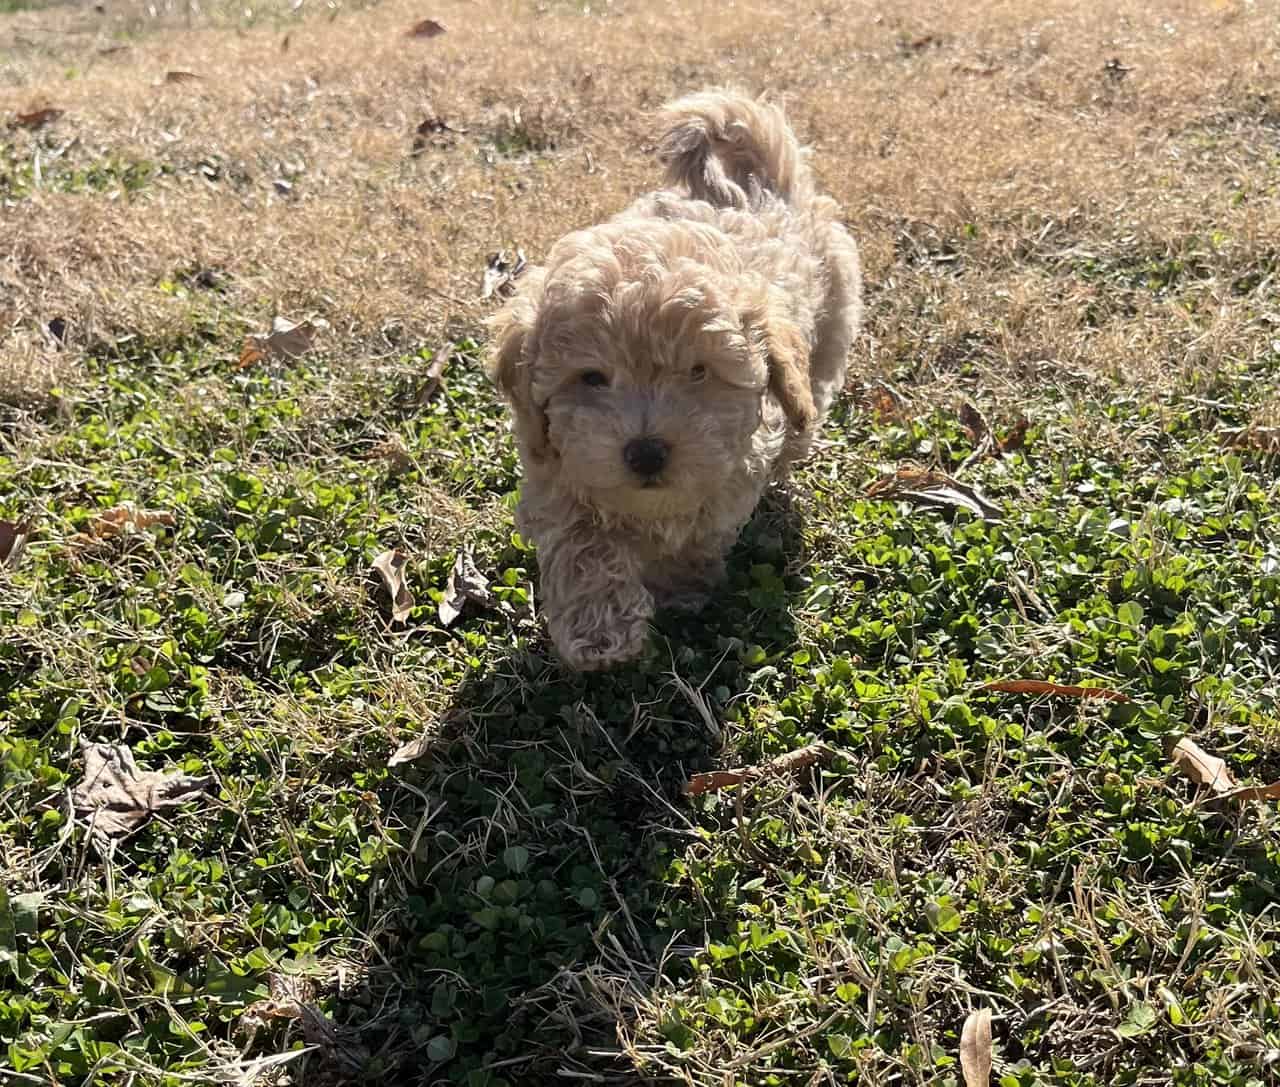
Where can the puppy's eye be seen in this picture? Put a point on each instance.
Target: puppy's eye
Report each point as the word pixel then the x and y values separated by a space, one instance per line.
pixel 595 379
pixel 698 372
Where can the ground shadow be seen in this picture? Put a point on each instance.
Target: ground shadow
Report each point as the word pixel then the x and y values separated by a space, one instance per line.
pixel 531 905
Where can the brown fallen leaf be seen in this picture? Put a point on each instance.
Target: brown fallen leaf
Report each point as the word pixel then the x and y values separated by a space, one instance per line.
pixel 1254 439
pixel 13 541
pixel 38 118
pixel 1254 792
pixel 1203 768
pixel 975 424
pixel 434 132
pixel 1016 438
pixel 414 749
pixel 975 1048
pixel 120 520
pixel 501 272
pixel 181 77
pixel 929 488
pixel 394 452
pixel 435 374
pixel 250 354
pixel 883 403
pixel 390 566
pixel 426 28
pixel 1065 690
pixel 287 339
pixel 116 798
pixel 465 583
pixel 787 763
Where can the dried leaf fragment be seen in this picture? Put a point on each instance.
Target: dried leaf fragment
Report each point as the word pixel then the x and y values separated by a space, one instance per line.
pixel 975 425
pixel 465 583
pixel 929 488
pixel 501 273
pixel 1256 439
pixel 975 1048
pixel 789 762
pixel 13 541
pixel 120 520
pixel 287 339
pixel 426 28
pixel 181 77
pixel 116 798
pixel 1203 768
pixel 1254 792
pixel 38 118
pixel 1063 690
pixel 1016 438
pixel 390 566
pixel 434 131
pixel 412 750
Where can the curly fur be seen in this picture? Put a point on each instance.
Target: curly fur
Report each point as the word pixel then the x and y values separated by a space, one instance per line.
pixel 715 316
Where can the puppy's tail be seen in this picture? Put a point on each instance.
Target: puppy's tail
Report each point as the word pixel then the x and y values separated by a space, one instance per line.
pixel 728 149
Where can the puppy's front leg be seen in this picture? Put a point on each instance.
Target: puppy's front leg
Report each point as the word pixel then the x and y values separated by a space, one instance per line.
pixel 596 606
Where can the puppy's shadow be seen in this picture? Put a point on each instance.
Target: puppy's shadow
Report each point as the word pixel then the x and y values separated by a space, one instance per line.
pixel 752 607
pixel 529 903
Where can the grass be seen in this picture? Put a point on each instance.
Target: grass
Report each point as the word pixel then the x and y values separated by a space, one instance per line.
pixel 532 899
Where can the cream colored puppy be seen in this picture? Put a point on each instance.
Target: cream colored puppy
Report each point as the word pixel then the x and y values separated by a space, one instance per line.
pixel 665 366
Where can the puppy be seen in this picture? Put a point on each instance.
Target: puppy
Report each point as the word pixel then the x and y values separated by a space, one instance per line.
pixel 664 367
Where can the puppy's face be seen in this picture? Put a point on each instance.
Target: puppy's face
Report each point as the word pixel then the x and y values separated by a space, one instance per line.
pixel 641 371
pixel 651 428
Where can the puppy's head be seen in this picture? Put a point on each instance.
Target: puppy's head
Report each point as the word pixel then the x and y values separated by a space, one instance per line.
pixel 638 364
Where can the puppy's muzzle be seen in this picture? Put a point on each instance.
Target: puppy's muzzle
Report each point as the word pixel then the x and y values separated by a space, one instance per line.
pixel 646 457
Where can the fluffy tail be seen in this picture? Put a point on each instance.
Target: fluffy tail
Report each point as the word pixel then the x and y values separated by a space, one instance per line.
pixel 729 150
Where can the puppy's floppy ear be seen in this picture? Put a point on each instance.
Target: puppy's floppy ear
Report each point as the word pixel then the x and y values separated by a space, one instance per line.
pixel 511 365
pixel 787 349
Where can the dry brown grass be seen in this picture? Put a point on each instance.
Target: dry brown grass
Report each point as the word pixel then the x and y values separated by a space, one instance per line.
pixel 984 156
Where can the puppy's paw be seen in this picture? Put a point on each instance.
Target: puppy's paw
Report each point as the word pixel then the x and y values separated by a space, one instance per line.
pixel 601 634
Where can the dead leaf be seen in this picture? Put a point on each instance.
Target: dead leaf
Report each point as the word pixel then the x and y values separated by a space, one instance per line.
pixel 1254 792
pixel 393 450
pixel 1255 439
pixel 975 1048
pixel 435 374
pixel 787 763
pixel 501 273
pixel 929 488
pixel 38 118
pixel 434 132
pixel 122 519
pixel 116 798
pixel 1201 767
pixel 13 541
pixel 1016 438
pixel 426 28
pixel 287 339
pixel 975 424
pixel 465 583
pixel 181 77
pixel 414 749
pixel 390 566
pixel 1065 690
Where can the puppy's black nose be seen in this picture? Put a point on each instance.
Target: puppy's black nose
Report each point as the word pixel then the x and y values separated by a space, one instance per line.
pixel 646 456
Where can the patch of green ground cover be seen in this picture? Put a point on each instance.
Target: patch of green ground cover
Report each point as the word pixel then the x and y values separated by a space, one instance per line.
pixel 489 912
pixel 41 165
